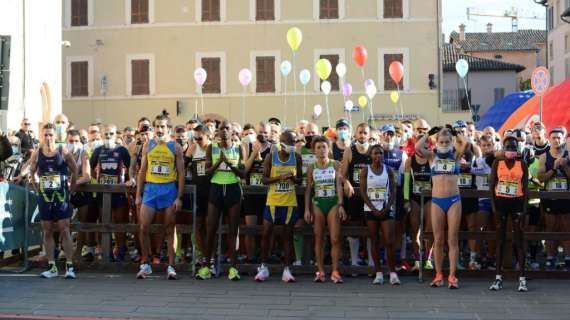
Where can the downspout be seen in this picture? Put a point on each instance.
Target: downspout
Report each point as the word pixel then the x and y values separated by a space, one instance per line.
pixel 439 64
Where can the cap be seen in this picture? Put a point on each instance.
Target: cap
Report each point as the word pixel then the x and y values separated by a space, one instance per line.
pixel 560 130
pixel 388 128
pixel 129 129
pixel 459 124
pixel 538 125
pixel 274 121
pixel 342 123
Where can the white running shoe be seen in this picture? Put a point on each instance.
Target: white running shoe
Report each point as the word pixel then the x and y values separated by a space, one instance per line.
pixel 497 285
pixel 262 273
pixel 379 278
pixel 144 271
pixel 51 273
pixel 171 273
pixel 522 285
pixel 298 263
pixel 394 280
pixel 287 276
pixel 69 272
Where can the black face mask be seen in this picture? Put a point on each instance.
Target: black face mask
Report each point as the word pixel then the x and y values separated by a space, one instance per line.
pixel 83 140
pixel 261 138
pixel 308 140
pixel 181 142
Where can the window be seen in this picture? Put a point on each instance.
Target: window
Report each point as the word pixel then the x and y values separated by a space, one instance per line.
pixel 79 79
pixel 79 13
pixel 499 94
pixel 210 10
pixel 264 10
pixel 393 9
pixel 213 81
pixel 389 84
pixel 139 11
pixel 328 9
pixel 265 74
pixel 140 77
pixel 333 78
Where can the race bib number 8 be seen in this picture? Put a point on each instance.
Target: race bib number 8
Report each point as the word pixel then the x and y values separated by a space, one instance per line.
pixel 50 182
pixel 325 191
pixel 377 194
pixel 283 186
pixel 160 168
pixel 444 166
pixel 508 188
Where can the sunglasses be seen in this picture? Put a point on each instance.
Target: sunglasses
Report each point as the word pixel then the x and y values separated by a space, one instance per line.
pixel 109 134
pixel 27 124
pixel 198 138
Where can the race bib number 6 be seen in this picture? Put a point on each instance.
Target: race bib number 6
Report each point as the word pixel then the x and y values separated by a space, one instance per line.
pixel 508 188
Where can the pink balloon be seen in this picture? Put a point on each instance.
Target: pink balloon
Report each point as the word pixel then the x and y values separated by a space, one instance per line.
pixel 346 90
pixel 200 76
pixel 396 71
pixel 244 77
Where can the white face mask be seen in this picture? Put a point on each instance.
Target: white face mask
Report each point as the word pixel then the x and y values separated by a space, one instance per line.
pixel 251 138
pixel 109 143
pixel 390 145
pixel 97 143
pixel 161 136
pixel 72 147
pixel 364 144
pixel 444 150
pixel 287 148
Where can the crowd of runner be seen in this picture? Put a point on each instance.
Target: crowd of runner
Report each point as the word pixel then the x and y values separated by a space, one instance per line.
pixel 354 176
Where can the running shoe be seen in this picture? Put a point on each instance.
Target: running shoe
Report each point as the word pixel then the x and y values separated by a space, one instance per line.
pixel 69 271
pixel 287 276
pixel 171 273
pixel 262 273
pixel 213 271
pixel 52 272
pixel 428 265
pixel 233 274
pixel 379 278
pixel 203 273
pixel 453 282
pixel 474 265
pixel 497 285
pixel 335 277
pixel 319 277
pixel 405 265
pixel 394 280
pixel 437 281
pixel 144 271
pixel 416 266
pixel 522 285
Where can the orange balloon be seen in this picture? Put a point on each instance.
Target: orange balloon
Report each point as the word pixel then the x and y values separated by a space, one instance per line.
pixel 396 71
pixel 330 133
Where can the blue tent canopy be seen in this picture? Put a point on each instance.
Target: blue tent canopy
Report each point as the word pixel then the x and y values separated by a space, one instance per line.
pixel 502 110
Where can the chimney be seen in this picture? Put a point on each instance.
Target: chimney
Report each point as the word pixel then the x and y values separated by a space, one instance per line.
pixel 462 32
pixel 489 28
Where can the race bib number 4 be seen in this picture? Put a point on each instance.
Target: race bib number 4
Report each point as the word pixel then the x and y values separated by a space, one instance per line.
pixel 445 166
pixel 465 180
pixel 325 191
pixel 160 168
pixel 50 182
pixel 508 188
pixel 255 179
pixel 283 186
pixel 557 184
pixel 377 194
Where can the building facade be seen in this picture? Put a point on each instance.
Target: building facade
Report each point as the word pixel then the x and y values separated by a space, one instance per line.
pixel 133 58
pixel 558 41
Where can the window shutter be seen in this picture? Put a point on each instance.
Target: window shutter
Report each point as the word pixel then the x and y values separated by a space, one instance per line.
pixel 139 11
pixel 328 9
pixel 389 84
pixel 78 13
pixel 393 9
pixel 333 78
pixel 213 81
pixel 265 74
pixel 79 79
pixel 210 10
pixel 140 77
pixel 265 10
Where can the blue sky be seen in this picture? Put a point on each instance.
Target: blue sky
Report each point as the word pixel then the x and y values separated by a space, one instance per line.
pixel 454 13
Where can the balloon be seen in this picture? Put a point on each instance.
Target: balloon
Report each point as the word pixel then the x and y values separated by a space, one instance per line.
pixel 396 71
pixel 323 69
pixel 294 38
pixel 394 96
pixel 326 87
pixel 348 105
pixel 462 67
pixel 317 109
pixel 285 68
pixel 244 77
pixel 369 83
pixel 346 90
pixel 200 76
pixel 359 55
pixel 371 92
pixel 362 101
pixel 305 76
pixel 341 70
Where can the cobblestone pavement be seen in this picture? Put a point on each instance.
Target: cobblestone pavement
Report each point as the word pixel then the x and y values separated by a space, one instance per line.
pixel 122 296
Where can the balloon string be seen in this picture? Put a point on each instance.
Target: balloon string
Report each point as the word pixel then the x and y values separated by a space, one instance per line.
pixel 372 118
pixel 243 105
pixel 400 102
pixel 195 108
pixel 304 101
pixel 285 102
pixel 295 89
pixel 328 113
pixel 202 99
pixel 467 95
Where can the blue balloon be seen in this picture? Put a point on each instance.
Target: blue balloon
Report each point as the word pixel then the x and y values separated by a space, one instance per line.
pixel 305 77
pixel 462 67
pixel 285 68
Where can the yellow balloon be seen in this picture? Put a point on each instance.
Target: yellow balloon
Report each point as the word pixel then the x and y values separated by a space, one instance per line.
pixel 294 38
pixel 323 68
pixel 362 101
pixel 394 96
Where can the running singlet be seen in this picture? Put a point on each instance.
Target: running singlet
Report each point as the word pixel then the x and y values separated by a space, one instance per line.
pixel 481 170
pixel 421 176
pixel 324 181
pixel 337 152
pixel 255 175
pixel 197 167
pixel 52 172
pixel 378 188
pixel 111 164
pixel 359 161
pixel 558 181
pixel 394 159
pixel 540 150
pixel 444 165
pixel 161 162
pixel 465 180
pixel 282 193
pixel 224 174
pixel 308 158
pixel 509 181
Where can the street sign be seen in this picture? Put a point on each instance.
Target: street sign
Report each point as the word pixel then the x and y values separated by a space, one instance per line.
pixel 540 81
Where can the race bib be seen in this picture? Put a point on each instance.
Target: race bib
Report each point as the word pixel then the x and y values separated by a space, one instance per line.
pixel 283 187
pixel 50 182
pixel 377 194
pixel 482 182
pixel 356 175
pixel 444 166
pixel 325 191
pixel 108 179
pixel 508 188
pixel 557 184
pixel 420 186
pixel 255 179
pixel 160 168
pixel 201 168
pixel 465 180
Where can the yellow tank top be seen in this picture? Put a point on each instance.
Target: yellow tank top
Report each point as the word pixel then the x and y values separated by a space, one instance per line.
pixel 161 164
pixel 282 193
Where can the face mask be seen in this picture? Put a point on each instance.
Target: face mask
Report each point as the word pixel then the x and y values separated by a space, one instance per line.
pixel 261 138
pixel 181 142
pixel 161 136
pixel 251 138
pixel 59 129
pixel 520 147
pixel 398 143
pixel 443 150
pixel 364 144
pixel 343 136
pixel 190 135
pixel 308 140
pixel 471 139
pixel 15 150
pixel 109 143
pixel 390 145
pixel 71 147
pixel 510 154
pixel 287 148
pixel 96 144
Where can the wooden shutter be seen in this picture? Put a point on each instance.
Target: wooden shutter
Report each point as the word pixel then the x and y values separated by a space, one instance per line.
pixel 265 74
pixel 210 10
pixel 333 78
pixel 140 77
pixel 328 9
pixel 265 10
pixel 213 81
pixel 393 9
pixel 389 84
pixel 139 11
pixel 79 79
pixel 79 13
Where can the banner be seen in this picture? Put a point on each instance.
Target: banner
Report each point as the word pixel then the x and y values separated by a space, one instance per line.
pixel 12 206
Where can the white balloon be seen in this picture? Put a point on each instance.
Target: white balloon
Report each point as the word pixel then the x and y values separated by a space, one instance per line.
pixel 326 87
pixel 341 70
pixel 317 110
pixel 371 92
pixel 348 105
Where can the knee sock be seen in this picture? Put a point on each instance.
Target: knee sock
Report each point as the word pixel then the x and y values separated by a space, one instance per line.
pixel 353 245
